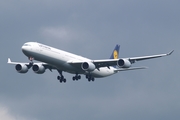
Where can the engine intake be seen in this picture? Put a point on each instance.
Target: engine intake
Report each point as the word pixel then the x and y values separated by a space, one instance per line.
pixel 124 63
pixel 21 68
pixel 88 66
pixel 38 68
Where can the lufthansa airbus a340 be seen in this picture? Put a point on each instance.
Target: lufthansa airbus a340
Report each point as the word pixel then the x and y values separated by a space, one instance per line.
pixel 52 58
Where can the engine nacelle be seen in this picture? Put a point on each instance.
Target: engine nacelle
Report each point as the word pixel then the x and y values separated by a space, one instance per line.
pixel 88 66
pixel 38 68
pixel 124 63
pixel 21 68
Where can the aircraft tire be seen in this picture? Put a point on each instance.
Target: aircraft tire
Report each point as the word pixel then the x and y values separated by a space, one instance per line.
pixel 89 79
pixel 79 77
pixel 60 81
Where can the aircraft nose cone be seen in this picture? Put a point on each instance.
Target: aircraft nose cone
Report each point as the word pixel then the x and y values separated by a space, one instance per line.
pixel 27 48
pixel 24 48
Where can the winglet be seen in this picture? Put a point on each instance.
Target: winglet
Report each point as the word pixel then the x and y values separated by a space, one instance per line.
pixel 170 52
pixel 9 60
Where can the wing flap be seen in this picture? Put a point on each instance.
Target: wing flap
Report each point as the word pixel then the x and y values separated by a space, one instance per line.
pixel 105 63
pixel 97 63
pixel 132 68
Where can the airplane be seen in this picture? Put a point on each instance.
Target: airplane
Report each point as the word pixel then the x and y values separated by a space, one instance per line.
pixel 62 61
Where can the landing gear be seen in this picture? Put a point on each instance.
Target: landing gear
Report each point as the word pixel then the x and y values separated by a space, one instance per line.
pixel 31 62
pixel 31 58
pixel 90 78
pixel 61 77
pixel 76 77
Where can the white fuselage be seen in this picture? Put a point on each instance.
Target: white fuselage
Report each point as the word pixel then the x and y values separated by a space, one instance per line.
pixel 59 59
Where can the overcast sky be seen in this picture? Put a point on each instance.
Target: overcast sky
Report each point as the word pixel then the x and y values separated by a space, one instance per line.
pixel 92 29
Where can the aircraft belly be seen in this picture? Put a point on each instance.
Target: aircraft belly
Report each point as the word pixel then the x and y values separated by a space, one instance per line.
pixel 103 72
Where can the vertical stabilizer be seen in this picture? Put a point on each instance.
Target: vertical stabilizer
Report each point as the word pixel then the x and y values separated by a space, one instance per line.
pixel 115 53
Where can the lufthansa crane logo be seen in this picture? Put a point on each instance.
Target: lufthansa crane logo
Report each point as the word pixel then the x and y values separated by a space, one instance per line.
pixel 115 54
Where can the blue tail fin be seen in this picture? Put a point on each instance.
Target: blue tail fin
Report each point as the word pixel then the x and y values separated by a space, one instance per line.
pixel 115 53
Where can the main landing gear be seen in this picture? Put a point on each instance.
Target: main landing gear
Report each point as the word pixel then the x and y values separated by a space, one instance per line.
pixel 76 77
pixel 90 78
pixel 61 77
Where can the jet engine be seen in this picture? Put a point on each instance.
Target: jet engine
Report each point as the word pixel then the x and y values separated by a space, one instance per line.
pixel 38 68
pixel 21 68
pixel 88 66
pixel 124 63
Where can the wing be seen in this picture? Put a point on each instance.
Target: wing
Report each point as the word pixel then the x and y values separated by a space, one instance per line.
pixel 133 59
pixel 114 62
pixel 29 65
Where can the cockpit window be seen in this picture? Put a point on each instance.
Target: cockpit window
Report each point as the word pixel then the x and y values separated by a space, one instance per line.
pixel 27 44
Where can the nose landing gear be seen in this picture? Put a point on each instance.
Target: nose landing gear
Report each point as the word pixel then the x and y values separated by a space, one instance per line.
pixel 31 62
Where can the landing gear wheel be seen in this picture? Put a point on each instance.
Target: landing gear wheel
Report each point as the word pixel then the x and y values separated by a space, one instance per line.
pixel 62 80
pixel 61 77
pixel 58 77
pixel 79 77
pixel 76 77
pixel 90 78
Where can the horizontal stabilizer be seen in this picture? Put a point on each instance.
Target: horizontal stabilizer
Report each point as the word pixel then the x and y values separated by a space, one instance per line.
pixel 133 68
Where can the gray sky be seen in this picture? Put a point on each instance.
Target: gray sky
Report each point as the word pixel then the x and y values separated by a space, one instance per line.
pixel 92 29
